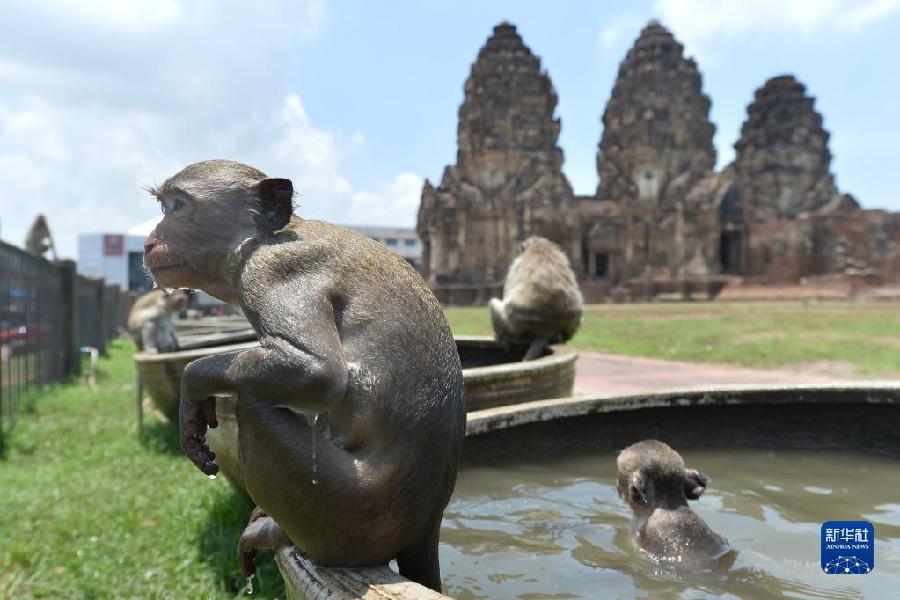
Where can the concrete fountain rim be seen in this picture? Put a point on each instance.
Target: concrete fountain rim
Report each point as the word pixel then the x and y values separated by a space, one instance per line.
pixel 382 582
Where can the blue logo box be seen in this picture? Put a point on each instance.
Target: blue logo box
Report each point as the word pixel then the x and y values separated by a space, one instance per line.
pixel 848 547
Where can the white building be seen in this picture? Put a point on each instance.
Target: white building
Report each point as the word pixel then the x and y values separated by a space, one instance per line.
pixel 402 240
pixel 117 258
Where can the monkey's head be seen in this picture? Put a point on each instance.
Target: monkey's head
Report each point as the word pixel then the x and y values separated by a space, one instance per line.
pixel 177 301
pixel 650 473
pixel 211 209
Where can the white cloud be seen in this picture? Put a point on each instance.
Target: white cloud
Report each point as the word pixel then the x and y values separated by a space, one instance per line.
pixel 700 23
pixel 620 31
pixel 396 204
pixel 100 98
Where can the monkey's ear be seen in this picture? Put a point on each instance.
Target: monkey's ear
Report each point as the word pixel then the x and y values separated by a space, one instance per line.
pixel 638 489
pixel 695 484
pixel 276 198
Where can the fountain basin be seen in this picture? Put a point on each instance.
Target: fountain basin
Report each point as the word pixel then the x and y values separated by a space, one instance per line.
pixel 774 421
pixel 493 376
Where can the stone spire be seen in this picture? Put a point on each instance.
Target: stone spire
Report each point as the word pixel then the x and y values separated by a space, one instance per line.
pixel 507 183
pixel 782 162
pixel 655 149
pixel 508 106
pixel 657 136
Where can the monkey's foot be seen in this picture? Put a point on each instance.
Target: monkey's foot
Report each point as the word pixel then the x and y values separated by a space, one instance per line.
pixel 195 419
pixel 262 532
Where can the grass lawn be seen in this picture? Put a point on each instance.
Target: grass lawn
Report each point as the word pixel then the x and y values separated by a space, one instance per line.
pixel 843 338
pixel 90 508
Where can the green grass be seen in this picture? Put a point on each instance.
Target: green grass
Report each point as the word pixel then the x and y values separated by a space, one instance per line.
pixel 863 338
pixel 90 508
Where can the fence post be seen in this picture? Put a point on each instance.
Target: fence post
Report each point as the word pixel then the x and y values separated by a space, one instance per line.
pixel 101 329
pixel 67 305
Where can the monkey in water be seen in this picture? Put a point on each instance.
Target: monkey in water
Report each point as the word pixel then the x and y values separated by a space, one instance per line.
pixel 39 240
pixel 541 300
pixel 150 320
pixel 350 413
pixel 654 482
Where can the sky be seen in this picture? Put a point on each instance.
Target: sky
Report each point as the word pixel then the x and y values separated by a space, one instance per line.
pixel 356 101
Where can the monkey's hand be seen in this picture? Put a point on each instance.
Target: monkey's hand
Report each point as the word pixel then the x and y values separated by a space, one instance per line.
pixel 195 418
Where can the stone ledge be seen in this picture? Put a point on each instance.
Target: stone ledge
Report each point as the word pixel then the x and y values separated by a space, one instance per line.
pixel 303 579
pixel 504 417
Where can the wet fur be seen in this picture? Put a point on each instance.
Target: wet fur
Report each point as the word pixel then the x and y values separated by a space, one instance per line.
pixel 349 331
pixel 653 481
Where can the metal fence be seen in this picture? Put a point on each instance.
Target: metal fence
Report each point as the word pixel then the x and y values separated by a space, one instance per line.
pixel 47 313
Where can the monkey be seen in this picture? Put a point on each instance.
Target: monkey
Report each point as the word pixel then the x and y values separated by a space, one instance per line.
pixel 654 482
pixel 350 336
pixel 150 320
pixel 541 299
pixel 39 240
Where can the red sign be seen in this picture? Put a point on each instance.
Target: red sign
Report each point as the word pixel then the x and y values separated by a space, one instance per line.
pixel 113 245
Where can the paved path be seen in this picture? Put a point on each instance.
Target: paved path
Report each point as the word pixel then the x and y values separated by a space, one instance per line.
pixel 596 372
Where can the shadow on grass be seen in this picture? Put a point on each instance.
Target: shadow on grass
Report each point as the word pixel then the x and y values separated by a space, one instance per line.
pixel 218 545
pixel 160 436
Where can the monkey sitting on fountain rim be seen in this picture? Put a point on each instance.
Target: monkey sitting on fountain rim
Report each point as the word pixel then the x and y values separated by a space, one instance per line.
pixel 150 320
pixel 348 332
pixel 654 482
pixel 541 301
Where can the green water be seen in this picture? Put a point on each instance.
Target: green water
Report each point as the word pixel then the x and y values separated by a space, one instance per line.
pixel 556 529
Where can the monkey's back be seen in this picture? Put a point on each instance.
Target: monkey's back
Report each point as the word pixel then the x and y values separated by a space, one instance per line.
pixel 541 297
pixel 404 375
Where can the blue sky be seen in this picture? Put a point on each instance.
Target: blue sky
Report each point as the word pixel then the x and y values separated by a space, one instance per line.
pixel 356 101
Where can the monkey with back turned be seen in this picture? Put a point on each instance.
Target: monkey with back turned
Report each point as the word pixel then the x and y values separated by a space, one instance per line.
pixel 541 300
pixel 350 413
pixel 654 482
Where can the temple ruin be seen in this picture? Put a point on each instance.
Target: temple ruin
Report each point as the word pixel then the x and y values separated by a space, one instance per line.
pixel 662 220
pixel 507 183
pixel 655 148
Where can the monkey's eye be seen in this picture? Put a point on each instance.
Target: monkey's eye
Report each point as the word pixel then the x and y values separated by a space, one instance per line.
pixel 170 206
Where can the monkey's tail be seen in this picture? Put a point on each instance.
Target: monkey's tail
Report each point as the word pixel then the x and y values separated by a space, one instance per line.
pixel 536 349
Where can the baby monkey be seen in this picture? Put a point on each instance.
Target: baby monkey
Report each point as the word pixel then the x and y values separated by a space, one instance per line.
pixel 653 481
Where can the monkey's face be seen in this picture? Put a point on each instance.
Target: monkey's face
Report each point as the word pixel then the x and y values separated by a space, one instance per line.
pixel 210 209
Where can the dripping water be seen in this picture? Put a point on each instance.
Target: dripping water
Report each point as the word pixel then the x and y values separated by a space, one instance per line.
pixel 315 426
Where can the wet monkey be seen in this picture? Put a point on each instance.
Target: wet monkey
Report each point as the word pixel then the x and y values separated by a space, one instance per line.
pixel 654 482
pixel 350 335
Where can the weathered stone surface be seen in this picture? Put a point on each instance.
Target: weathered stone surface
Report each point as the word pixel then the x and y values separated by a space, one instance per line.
pixel 782 161
pixel 787 220
pixel 507 183
pixel 656 146
pixel 662 222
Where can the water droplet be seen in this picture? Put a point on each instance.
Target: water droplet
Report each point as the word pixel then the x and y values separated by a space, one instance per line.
pixel 211 477
pixel 248 589
pixel 315 426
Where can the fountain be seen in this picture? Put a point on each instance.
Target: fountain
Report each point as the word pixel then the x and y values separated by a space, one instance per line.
pixel 535 509
pixel 494 375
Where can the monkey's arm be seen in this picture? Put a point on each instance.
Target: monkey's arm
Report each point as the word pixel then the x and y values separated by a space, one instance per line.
pixel 298 364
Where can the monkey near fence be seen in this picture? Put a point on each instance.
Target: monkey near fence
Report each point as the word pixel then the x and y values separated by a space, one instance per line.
pixel 150 320
pixel 350 413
